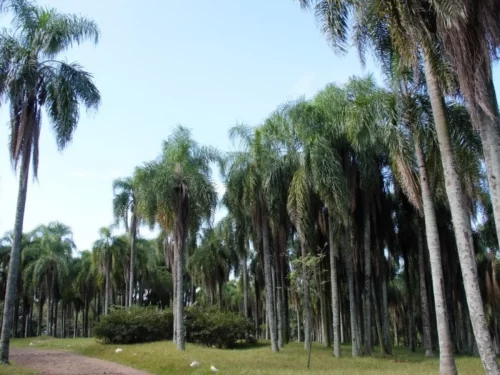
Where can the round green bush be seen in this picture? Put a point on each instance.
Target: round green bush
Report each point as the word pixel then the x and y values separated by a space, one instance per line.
pixel 204 325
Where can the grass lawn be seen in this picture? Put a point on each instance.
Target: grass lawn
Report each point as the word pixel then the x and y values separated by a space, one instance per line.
pixel 15 370
pixel 163 358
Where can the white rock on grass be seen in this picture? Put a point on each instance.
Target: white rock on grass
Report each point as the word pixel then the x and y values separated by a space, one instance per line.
pixel 194 364
pixel 31 344
pixel 213 369
pixel 118 350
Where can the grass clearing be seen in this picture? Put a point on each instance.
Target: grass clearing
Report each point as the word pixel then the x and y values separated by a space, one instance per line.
pixel 13 369
pixel 163 358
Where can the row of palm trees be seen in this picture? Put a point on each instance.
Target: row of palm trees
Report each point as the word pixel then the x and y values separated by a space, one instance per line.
pixel 361 184
pixel 455 42
pixel 324 191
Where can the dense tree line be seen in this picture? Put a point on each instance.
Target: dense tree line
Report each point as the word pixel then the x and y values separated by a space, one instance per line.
pixel 366 215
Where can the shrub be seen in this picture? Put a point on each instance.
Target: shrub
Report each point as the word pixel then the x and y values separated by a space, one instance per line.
pixel 213 327
pixel 135 325
pixel 204 325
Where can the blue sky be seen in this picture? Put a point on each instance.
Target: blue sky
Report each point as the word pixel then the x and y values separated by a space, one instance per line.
pixel 203 64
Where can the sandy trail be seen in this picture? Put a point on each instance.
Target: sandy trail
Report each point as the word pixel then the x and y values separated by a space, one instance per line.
pixel 56 362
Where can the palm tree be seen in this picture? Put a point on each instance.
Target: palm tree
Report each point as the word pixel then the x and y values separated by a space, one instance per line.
pixel 85 285
pixel 254 161
pixel 31 78
pixel 48 260
pixel 415 114
pixel 124 202
pixel 106 250
pixel 211 262
pixel 177 190
pixel 470 31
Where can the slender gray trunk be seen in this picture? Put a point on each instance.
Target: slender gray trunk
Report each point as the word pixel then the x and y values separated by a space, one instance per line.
pixel 269 284
pixel 307 299
pixel 426 320
pixel 245 283
pixel 385 308
pixel 299 329
pixel 40 317
pixel 179 301
pixel 377 319
pixel 107 287
pixel 174 294
pixel 277 295
pixel 27 321
pixel 368 278
pixel 461 224
pixel 15 256
pixel 133 236
pixel 347 255
pixel 335 289
pixel 446 357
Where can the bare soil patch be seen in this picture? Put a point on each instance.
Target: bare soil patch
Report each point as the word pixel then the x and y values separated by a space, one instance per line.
pixel 56 362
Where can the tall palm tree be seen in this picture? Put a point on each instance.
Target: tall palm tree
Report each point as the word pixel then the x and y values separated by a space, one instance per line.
pixel 177 190
pixel 255 159
pixel 415 114
pixel 125 202
pixel 470 31
pixel 31 78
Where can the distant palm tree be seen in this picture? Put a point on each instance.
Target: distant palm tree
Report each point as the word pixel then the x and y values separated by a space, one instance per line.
pixel 48 259
pixel 125 202
pixel 31 77
pixel 105 250
pixel 177 190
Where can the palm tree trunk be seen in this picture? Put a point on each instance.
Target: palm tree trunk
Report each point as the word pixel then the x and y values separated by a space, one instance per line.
pixel 40 317
pixel 179 307
pixel 446 357
pixel 56 308
pixel 347 255
pixel 426 320
pixel 244 270
pixel 26 312
pixel 133 236
pixel 107 288
pixel 277 288
pixel 489 131
pixel 377 319
pixel 307 299
pixel 299 328
pixel 368 278
pixel 461 225
pixel 335 289
pixel 15 256
pixel 268 284
pixel 385 308
pixel 75 334
pixel 49 312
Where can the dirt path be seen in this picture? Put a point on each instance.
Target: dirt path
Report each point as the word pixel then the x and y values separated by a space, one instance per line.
pixel 54 362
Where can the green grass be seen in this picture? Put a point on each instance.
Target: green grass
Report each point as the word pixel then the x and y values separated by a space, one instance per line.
pixel 12 369
pixel 163 358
